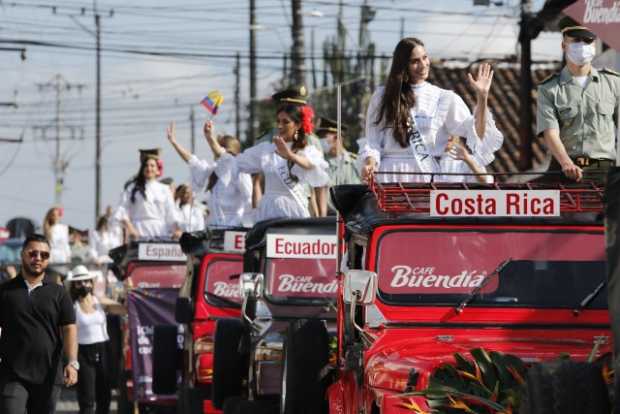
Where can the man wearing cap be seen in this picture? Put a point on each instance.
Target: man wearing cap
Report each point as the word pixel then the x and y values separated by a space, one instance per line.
pixel 37 321
pixel 342 163
pixel 576 108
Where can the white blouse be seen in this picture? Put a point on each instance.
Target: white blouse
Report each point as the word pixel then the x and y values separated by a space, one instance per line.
pixel 101 242
pixel 91 327
pixel 192 217
pixel 60 251
pixel 439 114
pixel 279 200
pixel 230 203
pixel 152 217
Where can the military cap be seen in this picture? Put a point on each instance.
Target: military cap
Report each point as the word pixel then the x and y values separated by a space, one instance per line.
pixel 326 125
pixel 571 28
pixel 149 153
pixel 294 94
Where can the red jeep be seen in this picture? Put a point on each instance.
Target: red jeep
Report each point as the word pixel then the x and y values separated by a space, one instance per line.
pixel 431 283
pixel 274 356
pixel 210 292
pixel 152 273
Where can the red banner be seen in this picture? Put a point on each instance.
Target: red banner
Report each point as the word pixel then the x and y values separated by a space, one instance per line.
pixel 601 16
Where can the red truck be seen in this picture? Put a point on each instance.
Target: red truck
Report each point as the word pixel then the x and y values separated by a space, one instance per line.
pixel 432 287
pixel 209 293
pixel 152 273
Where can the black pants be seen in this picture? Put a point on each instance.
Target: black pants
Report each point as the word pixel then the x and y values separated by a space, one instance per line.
pixel 93 385
pixel 20 397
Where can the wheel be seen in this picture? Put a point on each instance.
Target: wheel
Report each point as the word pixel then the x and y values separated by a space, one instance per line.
pixel 578 387
pixel 189 401
pixel 256 407
pixel 124 405
pixel 228 362
pixel 306 352
pixel 231 405
pixel 165 359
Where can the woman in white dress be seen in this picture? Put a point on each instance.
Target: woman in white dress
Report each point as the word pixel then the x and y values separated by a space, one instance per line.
pixel 409 121
pixel 288 164
pixel 147 208
pixel 58 236
pixel 192 213
pixel 101 241
pixel 230 203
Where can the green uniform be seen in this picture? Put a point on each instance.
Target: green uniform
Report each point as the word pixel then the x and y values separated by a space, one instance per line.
pixel 343 170
pixel 583 115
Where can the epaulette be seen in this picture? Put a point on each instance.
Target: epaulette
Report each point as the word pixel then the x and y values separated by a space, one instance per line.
pixel 548 78
pixel 610 71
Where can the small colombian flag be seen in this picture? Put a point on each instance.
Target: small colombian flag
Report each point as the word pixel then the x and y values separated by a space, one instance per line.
pixel 213 101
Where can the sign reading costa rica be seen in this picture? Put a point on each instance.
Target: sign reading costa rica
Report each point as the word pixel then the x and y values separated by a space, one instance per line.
pixel 167 252
pixel 234 241
pixel 306 246
pixel 495 203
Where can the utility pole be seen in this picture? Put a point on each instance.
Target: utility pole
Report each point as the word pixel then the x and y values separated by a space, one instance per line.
pixel 251 134
pixel 60 163
pixel 297 59
pixel 314 84
pixel 402 28
pixel 192 129
pixel 97 113
pixel 237 73
pixel 526 85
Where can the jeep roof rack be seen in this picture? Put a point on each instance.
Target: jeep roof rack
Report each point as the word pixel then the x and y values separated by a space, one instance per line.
pixel 406 197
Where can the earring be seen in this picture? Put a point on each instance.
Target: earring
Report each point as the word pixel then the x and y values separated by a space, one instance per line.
pixel 296 135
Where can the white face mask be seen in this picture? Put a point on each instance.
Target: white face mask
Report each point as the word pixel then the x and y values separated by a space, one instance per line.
pixel 326 145
pixel 580 53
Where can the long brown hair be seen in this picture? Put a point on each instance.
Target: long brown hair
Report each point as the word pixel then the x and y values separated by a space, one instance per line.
pixel 139 180
pixel 302 116
pixel 398 96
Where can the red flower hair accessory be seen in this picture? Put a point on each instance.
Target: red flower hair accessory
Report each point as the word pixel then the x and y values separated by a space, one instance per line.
pixel 307 115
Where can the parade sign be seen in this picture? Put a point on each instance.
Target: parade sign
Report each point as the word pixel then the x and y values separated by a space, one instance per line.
pixel 495 203
pixel 219 282
pixel 234 241
pixel 166 252
pixel 158 276
pixel 601 16
pixel 301 278
pixel 147 309
pixel 307 246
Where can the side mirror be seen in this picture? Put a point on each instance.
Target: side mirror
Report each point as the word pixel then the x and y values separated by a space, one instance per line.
pixel 251 284
pixel 360 287
pixel 184 310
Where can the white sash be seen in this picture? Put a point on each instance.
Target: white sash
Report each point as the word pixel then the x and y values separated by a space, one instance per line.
pixel 426 161
pixel 294 187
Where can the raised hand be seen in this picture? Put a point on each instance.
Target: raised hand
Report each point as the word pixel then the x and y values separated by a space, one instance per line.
pixel 482 82
pixel 456 150
pixel 171 132
pixel 208 130
pixel 282 149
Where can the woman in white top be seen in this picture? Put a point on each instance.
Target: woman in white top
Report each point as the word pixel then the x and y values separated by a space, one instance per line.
pixel 147 208
pixel 58 236
pixel 101 241
pixel 230 203
pixel 93 388
pixel 409 121
pixel 192 214
pixel 288 164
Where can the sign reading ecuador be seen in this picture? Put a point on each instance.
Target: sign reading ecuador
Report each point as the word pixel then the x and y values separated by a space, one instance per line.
pixel 306 246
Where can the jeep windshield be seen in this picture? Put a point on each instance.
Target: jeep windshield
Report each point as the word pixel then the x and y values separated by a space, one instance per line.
pixel 548 269
pixel 300 280
pixel 222 283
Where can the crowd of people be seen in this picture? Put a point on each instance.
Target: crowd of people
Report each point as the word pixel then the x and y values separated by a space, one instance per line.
pixel 415 131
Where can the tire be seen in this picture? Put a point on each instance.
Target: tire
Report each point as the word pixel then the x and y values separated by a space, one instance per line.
pixel 578 387
pixel 228 362
pixel 231 405
pixel 538 394
pixel 256 407
pixel 189 401
pixel 122 401
pixel 165 359
pixel 306 352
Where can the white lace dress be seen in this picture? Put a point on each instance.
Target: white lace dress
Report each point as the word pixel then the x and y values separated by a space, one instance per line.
pixel 439 114
pixel 285 195
pixel 152 217
pixel 230 202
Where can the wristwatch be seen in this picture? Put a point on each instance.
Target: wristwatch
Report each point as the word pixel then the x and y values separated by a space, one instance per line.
pixel 75 365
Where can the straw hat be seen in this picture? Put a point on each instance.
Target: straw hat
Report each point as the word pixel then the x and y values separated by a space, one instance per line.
pixel 80 272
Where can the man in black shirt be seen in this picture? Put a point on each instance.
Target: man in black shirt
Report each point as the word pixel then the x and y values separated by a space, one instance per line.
pixel 35 316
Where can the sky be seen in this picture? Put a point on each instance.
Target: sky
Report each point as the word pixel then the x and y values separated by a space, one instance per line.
pixel 143 93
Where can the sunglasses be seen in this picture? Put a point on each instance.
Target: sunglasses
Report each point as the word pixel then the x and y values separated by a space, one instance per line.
pixel 33 254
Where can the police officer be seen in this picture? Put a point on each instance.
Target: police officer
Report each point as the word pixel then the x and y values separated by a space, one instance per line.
pixel 342 163
pixel 576 107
